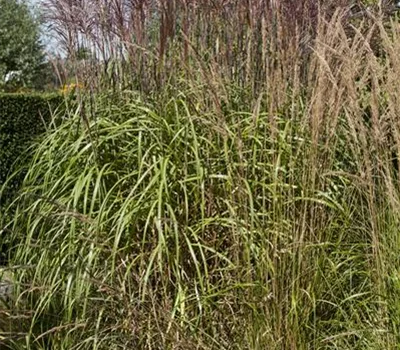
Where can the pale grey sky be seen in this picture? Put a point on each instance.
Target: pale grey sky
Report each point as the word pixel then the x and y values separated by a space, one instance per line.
pixel 47 39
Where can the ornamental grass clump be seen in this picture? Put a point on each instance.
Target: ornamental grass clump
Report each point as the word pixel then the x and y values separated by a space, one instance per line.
pixel 252 210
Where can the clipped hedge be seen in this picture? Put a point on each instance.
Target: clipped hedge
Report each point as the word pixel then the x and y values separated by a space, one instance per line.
pixel 22 118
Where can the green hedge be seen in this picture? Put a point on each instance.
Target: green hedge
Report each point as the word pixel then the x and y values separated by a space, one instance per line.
pixel 22 118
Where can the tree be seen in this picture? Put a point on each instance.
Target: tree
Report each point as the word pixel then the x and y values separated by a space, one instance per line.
pixel 21 51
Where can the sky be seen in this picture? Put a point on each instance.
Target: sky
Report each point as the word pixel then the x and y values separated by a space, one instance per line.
pixel 49 42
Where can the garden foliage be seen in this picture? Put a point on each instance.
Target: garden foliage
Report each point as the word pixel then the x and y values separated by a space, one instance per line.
pixel 22 118
pixel 229 183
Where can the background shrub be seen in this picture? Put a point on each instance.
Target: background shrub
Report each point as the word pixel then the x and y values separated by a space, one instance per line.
pixel 22 118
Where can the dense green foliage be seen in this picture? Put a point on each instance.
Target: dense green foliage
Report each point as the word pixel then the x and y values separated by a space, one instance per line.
pixel 246 199
pixel 22 118
pixel 144 230
pixel 20 48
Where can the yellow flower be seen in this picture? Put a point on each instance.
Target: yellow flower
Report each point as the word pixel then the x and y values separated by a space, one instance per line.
pixel 69 88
